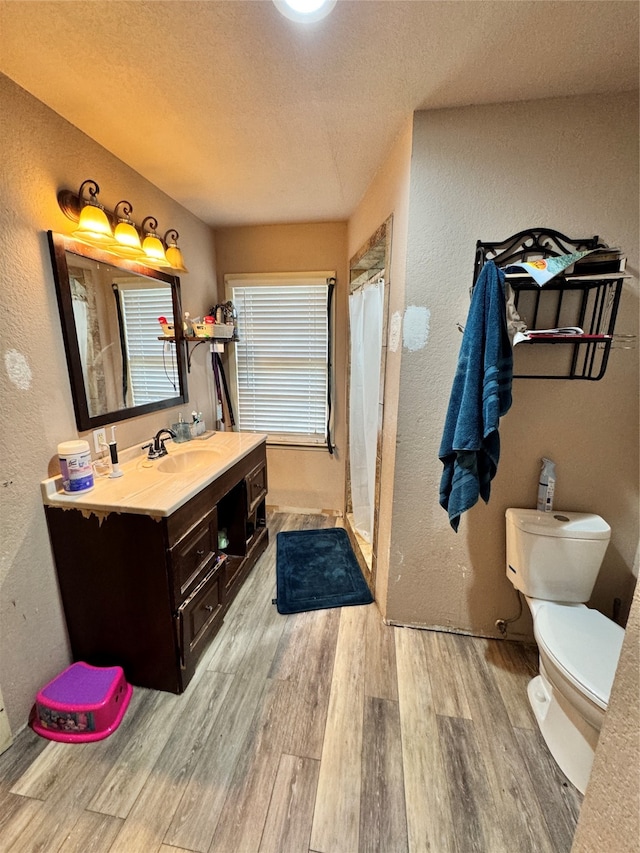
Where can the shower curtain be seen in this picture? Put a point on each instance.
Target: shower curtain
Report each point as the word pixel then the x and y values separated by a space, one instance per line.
pixel 81 318
pixel 365 316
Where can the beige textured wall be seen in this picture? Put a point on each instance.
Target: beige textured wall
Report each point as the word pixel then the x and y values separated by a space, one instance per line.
pixel 484 173
pixel 299 478
pixel 610 813
pixel 388 195
pixel 40 154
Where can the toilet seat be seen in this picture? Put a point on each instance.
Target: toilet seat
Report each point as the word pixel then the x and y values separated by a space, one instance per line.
pixel 583 644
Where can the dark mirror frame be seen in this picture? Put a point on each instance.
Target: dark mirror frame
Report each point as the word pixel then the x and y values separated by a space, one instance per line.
pixel 59 246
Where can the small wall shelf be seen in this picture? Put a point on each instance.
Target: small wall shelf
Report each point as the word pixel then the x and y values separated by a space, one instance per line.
pixel 589 301
pixel 196 341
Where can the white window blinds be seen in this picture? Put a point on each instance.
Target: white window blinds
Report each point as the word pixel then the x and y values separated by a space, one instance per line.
pixel 152 371
pixel 281 359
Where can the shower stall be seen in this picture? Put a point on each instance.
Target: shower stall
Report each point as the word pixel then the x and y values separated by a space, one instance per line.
pixel 368 306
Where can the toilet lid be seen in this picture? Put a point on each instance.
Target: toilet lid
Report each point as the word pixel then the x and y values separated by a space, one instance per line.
pixel 584 644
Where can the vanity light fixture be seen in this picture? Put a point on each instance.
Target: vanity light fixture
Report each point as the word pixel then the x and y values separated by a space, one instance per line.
pixel 173 253
pixel 304 11
pixel 93 224
pixel 152 245
pixel 127 239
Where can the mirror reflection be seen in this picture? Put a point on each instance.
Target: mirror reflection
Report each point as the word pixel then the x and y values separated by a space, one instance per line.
pixel 109 309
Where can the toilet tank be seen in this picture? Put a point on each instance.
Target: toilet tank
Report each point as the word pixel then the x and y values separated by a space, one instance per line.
pixel 555 556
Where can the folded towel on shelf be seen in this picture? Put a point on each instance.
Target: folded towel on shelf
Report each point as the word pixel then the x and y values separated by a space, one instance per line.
pixel 480 396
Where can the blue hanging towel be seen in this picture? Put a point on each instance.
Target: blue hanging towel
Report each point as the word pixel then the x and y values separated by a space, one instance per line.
pixel 480 395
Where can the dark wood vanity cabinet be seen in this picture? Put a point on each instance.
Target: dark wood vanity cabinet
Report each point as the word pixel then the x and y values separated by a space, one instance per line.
pixel 149 593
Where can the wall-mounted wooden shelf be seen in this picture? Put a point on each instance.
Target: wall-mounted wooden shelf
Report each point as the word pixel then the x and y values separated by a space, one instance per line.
pixel 193 338
pixel 196 341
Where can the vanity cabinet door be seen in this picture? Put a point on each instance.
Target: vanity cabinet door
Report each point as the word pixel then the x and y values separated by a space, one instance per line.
pixel 256 482
pixel 193 555
pixel 200 617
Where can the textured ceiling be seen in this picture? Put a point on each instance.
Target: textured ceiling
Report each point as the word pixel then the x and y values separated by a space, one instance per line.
pixel 245 117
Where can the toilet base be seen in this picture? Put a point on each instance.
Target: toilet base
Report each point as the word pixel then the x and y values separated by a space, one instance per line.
pixel 571 740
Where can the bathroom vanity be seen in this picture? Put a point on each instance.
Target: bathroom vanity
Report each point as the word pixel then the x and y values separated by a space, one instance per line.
pixel 149 563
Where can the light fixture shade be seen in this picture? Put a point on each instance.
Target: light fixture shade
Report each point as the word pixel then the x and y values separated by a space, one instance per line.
pixel 94 226
pixel 173 253
pixel 126 238
pixel 152 245
pixel 176 261
pixel 154 251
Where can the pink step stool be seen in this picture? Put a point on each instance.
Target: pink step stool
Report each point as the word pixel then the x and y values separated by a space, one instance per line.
pixel 83 703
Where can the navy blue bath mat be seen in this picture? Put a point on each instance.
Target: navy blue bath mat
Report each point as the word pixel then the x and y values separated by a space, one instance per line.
pixel 317 569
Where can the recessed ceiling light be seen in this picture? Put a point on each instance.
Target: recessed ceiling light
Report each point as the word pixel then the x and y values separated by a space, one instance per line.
pixel 305 10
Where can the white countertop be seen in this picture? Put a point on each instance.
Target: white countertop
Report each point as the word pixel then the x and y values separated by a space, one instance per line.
pixel 145 490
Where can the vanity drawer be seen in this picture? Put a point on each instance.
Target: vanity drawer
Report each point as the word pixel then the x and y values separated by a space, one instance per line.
pixel 192 556
pixel 256 481
pixel 201 615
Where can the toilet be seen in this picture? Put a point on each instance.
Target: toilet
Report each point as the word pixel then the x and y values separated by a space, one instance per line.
pixel 553 559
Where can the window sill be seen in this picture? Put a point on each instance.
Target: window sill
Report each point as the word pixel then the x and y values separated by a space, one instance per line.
pixel 292 444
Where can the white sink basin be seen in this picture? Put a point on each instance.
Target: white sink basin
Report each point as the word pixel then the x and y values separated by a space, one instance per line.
pixel 188 460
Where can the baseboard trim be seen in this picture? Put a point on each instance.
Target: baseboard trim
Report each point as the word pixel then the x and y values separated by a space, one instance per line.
pixel 297 510
pixel 516 638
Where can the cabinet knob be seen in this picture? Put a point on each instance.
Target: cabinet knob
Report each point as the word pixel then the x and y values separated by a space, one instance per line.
pixel 208 608
pixel 200 553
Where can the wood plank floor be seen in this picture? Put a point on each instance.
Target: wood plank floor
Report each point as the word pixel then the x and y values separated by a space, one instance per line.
pixel 327 732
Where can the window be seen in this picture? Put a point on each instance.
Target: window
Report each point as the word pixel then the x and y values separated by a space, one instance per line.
pixel 281 363
pixel 151 370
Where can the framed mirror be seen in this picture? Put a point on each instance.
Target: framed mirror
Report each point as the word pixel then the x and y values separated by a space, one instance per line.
pixel 119 366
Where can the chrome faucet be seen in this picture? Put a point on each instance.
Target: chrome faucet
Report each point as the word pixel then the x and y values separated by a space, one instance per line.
pixel 156 447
